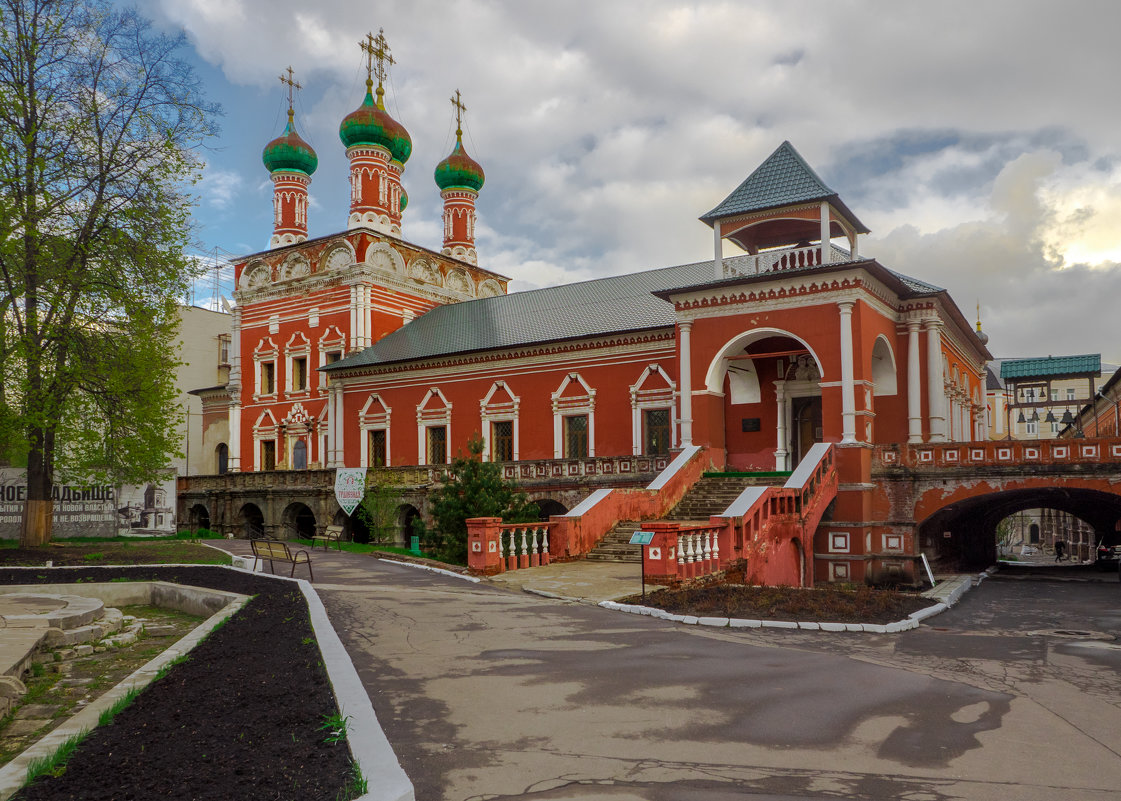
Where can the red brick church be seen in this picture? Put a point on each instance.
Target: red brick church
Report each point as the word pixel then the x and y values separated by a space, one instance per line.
pixel 362 348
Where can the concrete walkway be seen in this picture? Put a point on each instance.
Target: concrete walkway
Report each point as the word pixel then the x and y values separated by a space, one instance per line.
pixel 488 693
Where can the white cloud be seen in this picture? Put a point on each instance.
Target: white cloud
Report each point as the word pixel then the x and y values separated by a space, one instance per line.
pixel 976 140
pixel 219 188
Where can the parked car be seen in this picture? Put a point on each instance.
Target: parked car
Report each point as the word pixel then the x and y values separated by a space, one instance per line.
pixel 1109 557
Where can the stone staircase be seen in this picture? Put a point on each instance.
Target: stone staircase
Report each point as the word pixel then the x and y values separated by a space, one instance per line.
pixel 616 547
pixel 709 496
pixel 715 493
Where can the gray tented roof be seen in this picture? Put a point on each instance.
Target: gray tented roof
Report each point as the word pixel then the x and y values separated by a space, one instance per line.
pixel 570 311
pixel 783 179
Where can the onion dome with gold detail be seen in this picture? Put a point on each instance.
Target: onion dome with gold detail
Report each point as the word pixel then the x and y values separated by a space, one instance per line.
pixel 289 153
pixel 370 124
pixel 458 170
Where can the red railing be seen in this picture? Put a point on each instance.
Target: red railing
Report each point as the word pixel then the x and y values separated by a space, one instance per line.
pixel 495 547
pixel 998 453
pixel 754 528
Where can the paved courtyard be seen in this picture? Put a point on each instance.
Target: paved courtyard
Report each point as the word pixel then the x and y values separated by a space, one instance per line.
pixel 490 693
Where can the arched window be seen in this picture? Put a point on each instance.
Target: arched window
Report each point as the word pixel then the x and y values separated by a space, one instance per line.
pixel 223 454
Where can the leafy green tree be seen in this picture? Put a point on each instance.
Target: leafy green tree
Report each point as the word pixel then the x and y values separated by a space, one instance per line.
pixel 378 509
pixel 99 119
pixel 474 488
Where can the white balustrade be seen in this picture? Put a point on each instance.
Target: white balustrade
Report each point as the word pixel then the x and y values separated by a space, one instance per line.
pixel 525 550
pixel 716 548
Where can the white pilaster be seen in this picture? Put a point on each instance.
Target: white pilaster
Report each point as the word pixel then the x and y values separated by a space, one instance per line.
pixel 353 333
pixel 234 387
pixel 914 383
pixel 334 425
pixel 686 383
pixel 936 395
pixel 717 251
pixel 234 463
pixel 782 455
pixel 848 385
pixel 826 251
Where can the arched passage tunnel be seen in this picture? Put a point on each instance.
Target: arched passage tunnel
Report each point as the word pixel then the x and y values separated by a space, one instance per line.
pixel 962 535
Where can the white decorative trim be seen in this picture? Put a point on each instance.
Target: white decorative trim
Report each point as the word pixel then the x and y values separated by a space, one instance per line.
pixel 265 429
pixel 571 407
pixel 429 418
pixel 497 412
pixel 368 422
pixel 642 399
pixel 839 542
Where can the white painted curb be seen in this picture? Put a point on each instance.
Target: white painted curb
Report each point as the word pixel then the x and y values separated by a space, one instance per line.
pixel 368 743
pixel 948 593
pixel 441 571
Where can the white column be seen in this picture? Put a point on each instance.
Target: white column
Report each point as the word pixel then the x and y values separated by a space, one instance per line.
pixel 717 251
pixel 914 383
pixel 234 387
pixel 826 251
pixel 848 385
pixel 353 333
pixel 686 382
pixel 781 453
pixel 936 395
pixel 334 424
pixel 234 462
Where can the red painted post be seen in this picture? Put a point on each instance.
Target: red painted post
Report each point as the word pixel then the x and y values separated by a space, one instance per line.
pixel 482 545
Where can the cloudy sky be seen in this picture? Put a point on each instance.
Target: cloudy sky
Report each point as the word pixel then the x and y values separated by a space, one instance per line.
pixel 979 141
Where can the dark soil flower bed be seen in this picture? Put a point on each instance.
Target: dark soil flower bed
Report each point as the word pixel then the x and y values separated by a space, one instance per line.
pixel 859 605
pixel 240 718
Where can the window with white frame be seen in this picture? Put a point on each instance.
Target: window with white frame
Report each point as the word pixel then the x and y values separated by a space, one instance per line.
pixel 652 400
pixel 297 352
pixel 378 448
pixel 499 417
pixel 433 418
pixel 502 440
pixel 332 347
pixel 574 418
pixel 264 367
pixel 437 444
pixel 373 420
pixel 576 436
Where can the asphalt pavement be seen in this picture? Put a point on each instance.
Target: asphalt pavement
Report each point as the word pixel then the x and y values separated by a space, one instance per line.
pixel 492 693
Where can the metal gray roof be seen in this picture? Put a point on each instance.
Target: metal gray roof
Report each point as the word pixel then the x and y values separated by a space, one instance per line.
pixel 590 308
pixel 585 309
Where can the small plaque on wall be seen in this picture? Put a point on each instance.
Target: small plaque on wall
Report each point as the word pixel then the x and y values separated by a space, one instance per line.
pixel 751 423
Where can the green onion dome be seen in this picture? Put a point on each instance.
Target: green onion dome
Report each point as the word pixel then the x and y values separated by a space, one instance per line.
pixel 404 198
pixel 370 124
pixel 459 171
pixel 289 152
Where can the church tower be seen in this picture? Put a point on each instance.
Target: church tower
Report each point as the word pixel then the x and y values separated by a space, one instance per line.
pixel 460 178
pixel 290 161
pixel 378 147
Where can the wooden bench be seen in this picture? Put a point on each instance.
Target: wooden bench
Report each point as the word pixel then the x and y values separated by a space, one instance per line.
pixel 330 534
pixel 276 551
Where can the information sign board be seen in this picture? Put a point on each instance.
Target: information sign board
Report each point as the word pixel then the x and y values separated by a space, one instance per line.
pixel 642 537
pixel 350 487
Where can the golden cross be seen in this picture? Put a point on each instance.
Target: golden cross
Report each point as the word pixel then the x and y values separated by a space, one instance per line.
pixel 376 47
pixel 459 109
pixel 291 84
